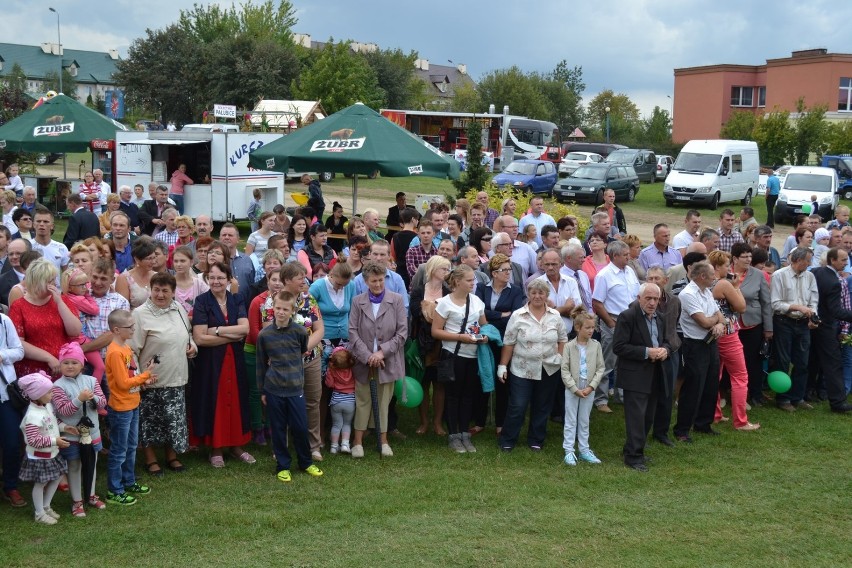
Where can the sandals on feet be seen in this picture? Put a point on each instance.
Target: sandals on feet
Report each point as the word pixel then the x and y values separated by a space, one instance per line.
pixel 244 457
pixel 176 466
pixel 217 461
pixel 149 467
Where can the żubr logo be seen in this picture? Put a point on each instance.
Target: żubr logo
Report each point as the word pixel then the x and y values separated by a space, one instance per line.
pixel 53 129
pixel 415 170
pixel 337 145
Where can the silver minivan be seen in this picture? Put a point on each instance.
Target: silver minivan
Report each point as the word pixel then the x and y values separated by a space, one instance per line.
pixel 643 161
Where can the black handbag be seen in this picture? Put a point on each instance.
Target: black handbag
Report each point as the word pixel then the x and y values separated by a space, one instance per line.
pixel 447 360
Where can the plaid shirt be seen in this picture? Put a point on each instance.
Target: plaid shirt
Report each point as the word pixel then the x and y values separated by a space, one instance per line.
pixel 169 238
pixel 727 241
pixel 416 256
pixel 95 326
pixel 846 302
pixel 491 216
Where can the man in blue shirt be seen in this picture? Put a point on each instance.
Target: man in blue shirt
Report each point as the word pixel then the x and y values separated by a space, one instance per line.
pixel 773 188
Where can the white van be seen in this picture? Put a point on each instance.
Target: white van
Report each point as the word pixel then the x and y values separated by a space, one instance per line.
pixel 712 172
pixel 215 127
pixel 800 184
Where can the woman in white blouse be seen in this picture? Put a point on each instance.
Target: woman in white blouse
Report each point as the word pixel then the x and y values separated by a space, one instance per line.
pixel 456 322
pixel 534 374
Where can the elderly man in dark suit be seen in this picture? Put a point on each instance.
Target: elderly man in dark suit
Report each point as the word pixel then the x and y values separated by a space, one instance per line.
pixel 393 219
pixel 824 338
pixel 640 343
pixel 151 212
pixel 82 224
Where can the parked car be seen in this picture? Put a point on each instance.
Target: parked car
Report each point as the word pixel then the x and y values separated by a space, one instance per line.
pixel 535 176
pixel 596 147
pixel 802 182
pixel 215 127
pixel 664 166
pixel 643 161
pixel 587 183
pixel 574 160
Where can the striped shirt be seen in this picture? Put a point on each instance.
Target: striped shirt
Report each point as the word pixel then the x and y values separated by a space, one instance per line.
pixel 280 371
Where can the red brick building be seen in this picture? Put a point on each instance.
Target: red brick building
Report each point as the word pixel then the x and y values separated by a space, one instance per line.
pixel 705 97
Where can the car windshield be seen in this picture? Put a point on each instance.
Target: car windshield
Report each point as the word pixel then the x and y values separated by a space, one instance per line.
pixel 621 157
pixel 699 163
pixel 522 168
pixel 808 182
pixel 576 157
pixel 586 172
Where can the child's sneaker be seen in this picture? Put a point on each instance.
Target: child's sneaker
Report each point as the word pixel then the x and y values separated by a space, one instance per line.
pixel 120 498
pixel 313 471
pixel 589 456
pixel 334 449
pixel 51 512
pixel 570 459
pixel 95 501
pixel 45 519
pixel 77 509
pixel 284 475
pixel 345 449
pixel 138 489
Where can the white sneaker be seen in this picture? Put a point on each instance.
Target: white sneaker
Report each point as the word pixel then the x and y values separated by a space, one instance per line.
pixel 387 452
pixel 345 449
pixel 45 519
pixel 316 456
pixel 357 451
pixel 51 512
pixel 334 449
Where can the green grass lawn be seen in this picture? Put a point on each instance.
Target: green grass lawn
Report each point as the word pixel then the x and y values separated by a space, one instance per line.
pixel 776 497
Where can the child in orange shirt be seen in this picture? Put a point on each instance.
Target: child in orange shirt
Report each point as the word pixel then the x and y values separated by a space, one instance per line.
pixel 123 410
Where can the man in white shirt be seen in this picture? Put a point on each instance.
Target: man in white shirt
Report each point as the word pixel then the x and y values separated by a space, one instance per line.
pixel 702 323
pixel 105 188
pixel 536 217
pixel 564 293
pixel 616 286
pixel 522 253
pixel 572 258
pixel 54 251
pixel 692 226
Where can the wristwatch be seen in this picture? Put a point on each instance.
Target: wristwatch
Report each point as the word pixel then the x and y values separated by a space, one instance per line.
pixel 217 332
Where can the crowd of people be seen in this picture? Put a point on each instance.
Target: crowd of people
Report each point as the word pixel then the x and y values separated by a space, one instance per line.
pixel 142 321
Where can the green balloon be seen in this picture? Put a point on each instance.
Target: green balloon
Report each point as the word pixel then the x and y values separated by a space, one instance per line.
pixel 413 395
pixel 806 209
pixel 779 381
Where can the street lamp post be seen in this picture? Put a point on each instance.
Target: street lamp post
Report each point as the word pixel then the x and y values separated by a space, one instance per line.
pixel 59 47
pixel 607 124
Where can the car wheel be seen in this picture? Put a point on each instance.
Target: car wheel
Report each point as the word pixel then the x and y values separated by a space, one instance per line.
pixel 715 203
pixel 631 194
pixel 373 175
pixel 747 199
pixel 847 193
pixel 599 197
pixel 669 203
pixel 42 159
pixel 326 176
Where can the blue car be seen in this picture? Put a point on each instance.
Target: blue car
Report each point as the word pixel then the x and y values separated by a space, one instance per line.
pixel 535 176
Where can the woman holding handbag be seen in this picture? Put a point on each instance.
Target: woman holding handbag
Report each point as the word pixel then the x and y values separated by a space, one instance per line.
pixel 11 351
pixel 456 323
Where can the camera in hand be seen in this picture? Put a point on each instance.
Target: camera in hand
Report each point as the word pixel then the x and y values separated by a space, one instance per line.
pixel 815 319
pixel 729 276
pixel 478 337
pixel 156 359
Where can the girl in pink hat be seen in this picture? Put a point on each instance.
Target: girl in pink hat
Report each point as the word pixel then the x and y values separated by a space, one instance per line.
pixel 42 465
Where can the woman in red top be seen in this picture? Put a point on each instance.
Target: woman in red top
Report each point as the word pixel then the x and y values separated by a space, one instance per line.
pixel 90 192
pixel 43 320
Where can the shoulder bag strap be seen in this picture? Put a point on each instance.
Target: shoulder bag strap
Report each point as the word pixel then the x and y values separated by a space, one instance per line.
pixel 464 323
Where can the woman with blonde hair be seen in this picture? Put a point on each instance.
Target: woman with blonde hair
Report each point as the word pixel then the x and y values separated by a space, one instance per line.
pixel 458 318
pixel 82 258
pixel 424 300
pixel 9 201
pixel 43 320
pixel 635 244
pixel 113 203
pixel 463 211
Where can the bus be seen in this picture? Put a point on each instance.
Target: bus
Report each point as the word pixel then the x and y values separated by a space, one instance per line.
pixel 507 136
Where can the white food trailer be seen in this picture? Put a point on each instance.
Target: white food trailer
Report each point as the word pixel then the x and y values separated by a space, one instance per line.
pixel 216 161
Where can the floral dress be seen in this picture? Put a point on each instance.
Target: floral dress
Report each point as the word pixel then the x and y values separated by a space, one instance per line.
pixel 306 315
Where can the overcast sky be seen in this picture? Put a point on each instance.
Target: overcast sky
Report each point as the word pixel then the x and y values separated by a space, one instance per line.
pixel 630 46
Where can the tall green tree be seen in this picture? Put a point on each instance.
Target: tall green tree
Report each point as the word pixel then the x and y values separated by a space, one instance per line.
pixel 740 126
pixel 774 137
pixel 564 88
pixel 625 127
pixel 395 75
pixel 475 175
pixel 339 78
pixel 808 132
pixel 267 21
pixel 13 97
pixel 466 99
pixel 514 88
pixel 658 127
pixel 839 137
pixel 69 83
